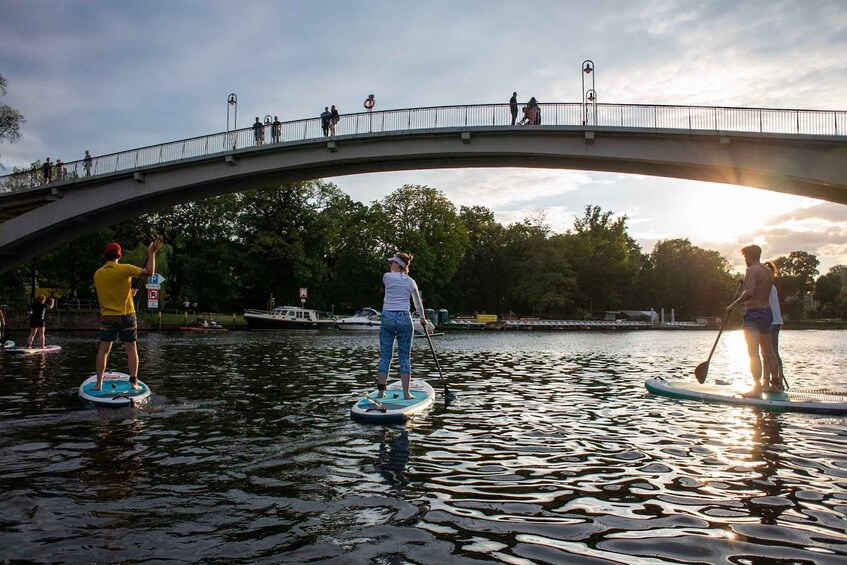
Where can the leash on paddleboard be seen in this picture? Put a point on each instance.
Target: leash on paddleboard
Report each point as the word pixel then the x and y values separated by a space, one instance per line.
pixel 703 368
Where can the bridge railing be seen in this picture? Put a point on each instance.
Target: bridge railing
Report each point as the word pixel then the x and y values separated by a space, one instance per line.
pixel 685 118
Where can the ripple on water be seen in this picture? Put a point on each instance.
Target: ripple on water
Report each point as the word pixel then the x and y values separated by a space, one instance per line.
pixel 552 452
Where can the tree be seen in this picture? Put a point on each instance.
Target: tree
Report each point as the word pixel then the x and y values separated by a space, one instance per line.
pixel 481 285
pixel 691 280
pixel 606 259
pixel 10 119
pixel 796 274
pixel 831 292
pixel 421 220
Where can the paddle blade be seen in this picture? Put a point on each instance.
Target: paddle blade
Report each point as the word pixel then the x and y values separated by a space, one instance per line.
pixel 701 371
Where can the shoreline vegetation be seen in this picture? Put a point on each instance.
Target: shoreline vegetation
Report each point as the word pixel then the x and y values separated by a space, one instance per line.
pixel 172 322
pixel 271 245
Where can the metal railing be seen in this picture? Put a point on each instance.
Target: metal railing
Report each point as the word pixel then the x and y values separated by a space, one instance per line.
pixel 685 118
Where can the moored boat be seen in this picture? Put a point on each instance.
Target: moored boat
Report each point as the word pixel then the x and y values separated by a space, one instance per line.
pixel 204 325
pixel 289 318
pixel 368 319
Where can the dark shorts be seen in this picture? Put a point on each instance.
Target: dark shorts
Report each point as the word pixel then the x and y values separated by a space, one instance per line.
pixel 36 323
pixel 758 319
pixel 114 327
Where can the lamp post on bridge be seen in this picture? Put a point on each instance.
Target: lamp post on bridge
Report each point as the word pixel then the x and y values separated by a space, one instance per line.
pixel 588 69
pixel 232 100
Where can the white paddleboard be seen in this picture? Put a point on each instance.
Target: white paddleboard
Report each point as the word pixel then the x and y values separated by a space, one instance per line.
pixel 393 408
pixel 795 400
pixel 115 392
pixel 33 350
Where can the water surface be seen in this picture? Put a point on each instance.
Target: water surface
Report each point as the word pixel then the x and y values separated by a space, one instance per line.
pixel 552 452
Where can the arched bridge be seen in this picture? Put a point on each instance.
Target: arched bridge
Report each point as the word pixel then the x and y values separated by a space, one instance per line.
pixel 801 152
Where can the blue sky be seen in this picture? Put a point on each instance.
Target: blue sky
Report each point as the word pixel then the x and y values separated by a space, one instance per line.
pixel 109 76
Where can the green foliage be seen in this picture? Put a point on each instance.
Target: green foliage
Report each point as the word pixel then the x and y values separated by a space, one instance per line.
pixel 691 280
pixel 796 274
pixel 606 259
pixel 10 119
pixel 232 252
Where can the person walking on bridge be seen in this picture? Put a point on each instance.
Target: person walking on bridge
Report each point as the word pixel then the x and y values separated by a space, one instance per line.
pixel 276 130
pixel 86 163
pixel 47 171
pixel 113 282
pixel 326 118
pixel 258 132
pixel 513 106
pixel 334 118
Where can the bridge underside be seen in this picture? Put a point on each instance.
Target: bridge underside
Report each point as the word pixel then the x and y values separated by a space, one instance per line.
pixel 39 220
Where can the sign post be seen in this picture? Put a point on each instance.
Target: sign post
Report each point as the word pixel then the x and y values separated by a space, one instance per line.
pixel 304 294
pixel 153 298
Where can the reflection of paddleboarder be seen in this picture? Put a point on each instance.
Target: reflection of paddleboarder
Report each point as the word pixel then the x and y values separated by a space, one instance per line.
pixel 113 282
pixel 38 319
pixel 3 332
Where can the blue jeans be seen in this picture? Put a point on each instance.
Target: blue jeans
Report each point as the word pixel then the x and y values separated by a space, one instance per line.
pixel 395 325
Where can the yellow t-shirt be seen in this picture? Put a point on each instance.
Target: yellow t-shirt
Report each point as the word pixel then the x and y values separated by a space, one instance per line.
pixel 113 282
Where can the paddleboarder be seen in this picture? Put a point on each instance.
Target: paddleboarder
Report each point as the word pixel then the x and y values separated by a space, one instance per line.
pixel 396 322
pixel 38 319
pixel 113 282
pixel 757 320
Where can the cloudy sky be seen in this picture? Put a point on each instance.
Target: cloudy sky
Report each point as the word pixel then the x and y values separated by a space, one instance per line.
pixel 116 75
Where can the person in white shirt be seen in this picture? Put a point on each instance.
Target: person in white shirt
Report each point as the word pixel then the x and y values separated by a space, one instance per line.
pixel 776 325
pixel 396 322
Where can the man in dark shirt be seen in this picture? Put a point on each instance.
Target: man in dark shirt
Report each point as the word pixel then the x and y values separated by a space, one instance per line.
pixel 513 106
pixel 258 132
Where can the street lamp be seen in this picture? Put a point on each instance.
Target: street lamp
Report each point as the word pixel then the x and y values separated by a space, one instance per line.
pixel 587 69
pixel 232 100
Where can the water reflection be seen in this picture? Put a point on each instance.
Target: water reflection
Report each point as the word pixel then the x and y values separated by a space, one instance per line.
pixel 551 453
pixel 392 458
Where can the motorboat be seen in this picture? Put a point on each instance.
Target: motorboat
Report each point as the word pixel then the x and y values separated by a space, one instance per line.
pixel 289 318
pixel 368 319
pixel 204 325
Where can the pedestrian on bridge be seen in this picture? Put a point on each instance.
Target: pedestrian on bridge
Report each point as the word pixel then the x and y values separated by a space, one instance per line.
pixel 513 106
pixel 334 118
pixel 259 132
pixel 86 163
pixel 47 171
pixel 326 118
pixel 276 130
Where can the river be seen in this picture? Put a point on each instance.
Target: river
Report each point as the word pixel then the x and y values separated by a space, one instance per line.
pixel 551 452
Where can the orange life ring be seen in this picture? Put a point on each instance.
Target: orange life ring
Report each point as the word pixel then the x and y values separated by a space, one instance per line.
pixel 369 103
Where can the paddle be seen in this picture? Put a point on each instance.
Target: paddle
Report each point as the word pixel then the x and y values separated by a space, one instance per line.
pixel 448 396
pixel 703 368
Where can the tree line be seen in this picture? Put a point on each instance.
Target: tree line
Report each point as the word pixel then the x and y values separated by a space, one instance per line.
pixel 233 251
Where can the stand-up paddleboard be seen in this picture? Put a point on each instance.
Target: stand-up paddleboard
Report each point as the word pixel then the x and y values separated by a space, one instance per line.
pixel 33 350
pixel 115 392
pixel 393 407
pixel 799 400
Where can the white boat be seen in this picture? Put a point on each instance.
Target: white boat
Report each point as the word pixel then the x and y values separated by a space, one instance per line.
pixel 289 318
pixel 368 319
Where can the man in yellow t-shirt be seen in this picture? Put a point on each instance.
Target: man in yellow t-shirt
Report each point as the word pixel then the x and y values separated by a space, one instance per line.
pixel 113 282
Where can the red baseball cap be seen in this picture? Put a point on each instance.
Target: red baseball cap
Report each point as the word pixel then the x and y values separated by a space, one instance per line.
pixel 113 248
